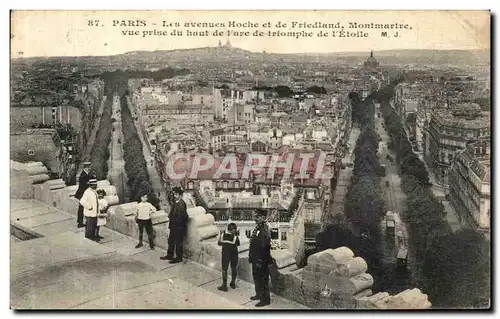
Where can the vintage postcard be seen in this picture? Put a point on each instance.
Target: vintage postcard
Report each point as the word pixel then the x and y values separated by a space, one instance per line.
pixel 250 160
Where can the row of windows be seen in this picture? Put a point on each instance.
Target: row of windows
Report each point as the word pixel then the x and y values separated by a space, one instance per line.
pixel 228 138
pixel 455 131
pixel 450 158
pixel 464 199
pixel 452 142
pixel 225 184
pixel 472 178
pixel 464 188
pixel 459 205
pixel 274 234
pixel 247 216
pixel 236 184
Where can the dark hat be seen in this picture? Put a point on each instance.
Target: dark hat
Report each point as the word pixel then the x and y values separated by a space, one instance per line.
pixel 177 190
pixel 93 181
pixel 87 164
pixel 261 212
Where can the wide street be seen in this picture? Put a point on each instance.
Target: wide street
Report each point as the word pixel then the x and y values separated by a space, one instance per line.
pixel 90 143
pixel 154 176
pixel 117 174
pixel 396 199
pixel 344 179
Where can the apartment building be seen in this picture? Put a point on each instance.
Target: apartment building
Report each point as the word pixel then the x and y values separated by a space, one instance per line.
pixel 223 136
pixel 469 191
pixel 187 114
pixel 240 114
pixel 450 131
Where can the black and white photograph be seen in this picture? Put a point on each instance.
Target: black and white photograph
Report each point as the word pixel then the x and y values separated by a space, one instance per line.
pixel 250 160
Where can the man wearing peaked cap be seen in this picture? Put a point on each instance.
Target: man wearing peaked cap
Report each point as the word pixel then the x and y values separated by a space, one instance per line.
pixel 260 258
pixel 178 220
pixel 90 203
pixel 83 184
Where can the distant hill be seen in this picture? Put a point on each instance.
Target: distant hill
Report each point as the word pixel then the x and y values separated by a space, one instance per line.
pixel 206 53
pixel 223 54
pixel 384 57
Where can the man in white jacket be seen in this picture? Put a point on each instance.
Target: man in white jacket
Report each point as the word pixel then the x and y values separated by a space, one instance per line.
pixel 90 203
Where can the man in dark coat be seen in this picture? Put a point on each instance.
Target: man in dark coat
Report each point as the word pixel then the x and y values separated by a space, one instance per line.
pixel 260 258
pixel 178 219
pixel 83 184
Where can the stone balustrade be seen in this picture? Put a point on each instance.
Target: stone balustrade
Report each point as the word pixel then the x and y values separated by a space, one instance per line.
pixel 122 219
pixel 23 176
pixel 57 194
pixel 332 279
pixel 408 299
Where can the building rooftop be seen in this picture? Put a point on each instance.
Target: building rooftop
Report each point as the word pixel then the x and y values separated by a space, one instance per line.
pixel 371 62
pixel 465 109
pixel 449 118
pixel 246 200
pixel 172 108
pixel 186 166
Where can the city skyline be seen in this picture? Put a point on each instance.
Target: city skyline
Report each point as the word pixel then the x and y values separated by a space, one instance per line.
pixel 358 171
pixel 430 30
pixel 361 53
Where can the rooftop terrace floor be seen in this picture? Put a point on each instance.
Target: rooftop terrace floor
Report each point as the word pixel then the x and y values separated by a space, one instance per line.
pixel 63 270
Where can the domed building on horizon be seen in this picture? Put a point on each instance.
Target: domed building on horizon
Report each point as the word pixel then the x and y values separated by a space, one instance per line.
pixel 372 75
pixel 371 62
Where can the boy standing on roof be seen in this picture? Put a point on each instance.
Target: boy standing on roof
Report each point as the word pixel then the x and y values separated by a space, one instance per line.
pixel 229 240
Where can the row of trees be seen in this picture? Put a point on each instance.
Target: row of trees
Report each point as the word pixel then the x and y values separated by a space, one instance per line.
pixel 285 91
pixel 453 268
pixel 159 75
pixel 364 208
pixel 138 182
pixel 100 150
pixel 316 89
pixel 364 204
pixel 356 110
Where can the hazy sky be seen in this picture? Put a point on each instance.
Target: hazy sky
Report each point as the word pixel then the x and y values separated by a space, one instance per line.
pixel 67 33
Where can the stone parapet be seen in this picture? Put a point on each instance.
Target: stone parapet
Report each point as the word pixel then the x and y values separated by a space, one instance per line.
pixel 332 279
pixel 23 176
pixel 335 278
pixel 56 193
pixel 21 185
pixel 408 299
pixel 122 220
